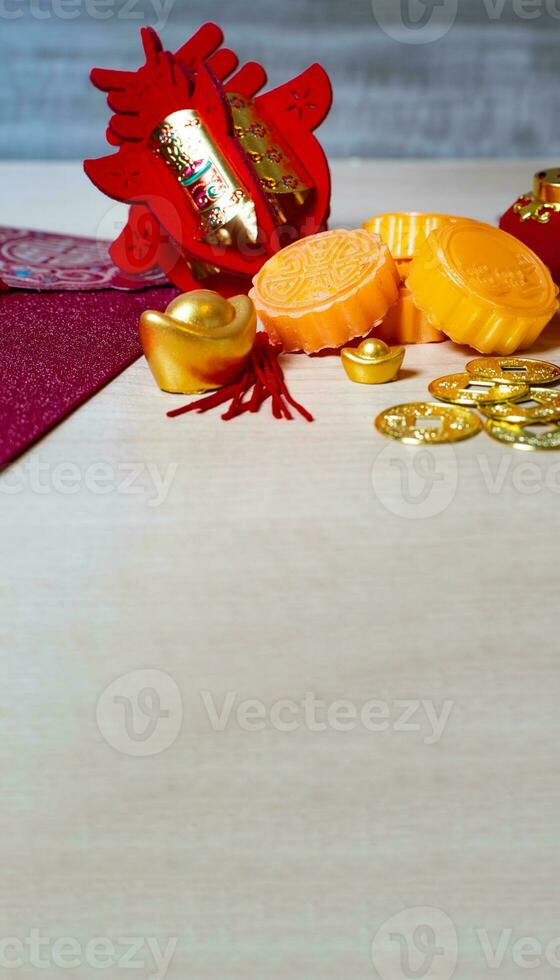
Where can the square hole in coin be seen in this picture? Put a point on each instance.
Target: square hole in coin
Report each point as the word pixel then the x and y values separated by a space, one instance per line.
pixel 476 386
pixel 433 422
pixel 540 430
pixel 514 370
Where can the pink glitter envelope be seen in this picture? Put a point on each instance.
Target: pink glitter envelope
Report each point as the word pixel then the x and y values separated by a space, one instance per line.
pixel 62 344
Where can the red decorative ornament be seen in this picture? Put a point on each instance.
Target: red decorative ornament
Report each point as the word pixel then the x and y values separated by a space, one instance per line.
pixel 535 219
pixel 218 176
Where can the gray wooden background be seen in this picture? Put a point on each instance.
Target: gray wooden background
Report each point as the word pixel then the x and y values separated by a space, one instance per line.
pixel 489 87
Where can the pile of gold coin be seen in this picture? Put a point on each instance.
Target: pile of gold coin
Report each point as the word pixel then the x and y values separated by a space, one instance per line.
pixel 500 388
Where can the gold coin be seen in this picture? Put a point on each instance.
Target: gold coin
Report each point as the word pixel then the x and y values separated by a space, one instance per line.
pixel 526 370
pixel 519 437
pixel 427 423
pixel 547 408
pixel 458 389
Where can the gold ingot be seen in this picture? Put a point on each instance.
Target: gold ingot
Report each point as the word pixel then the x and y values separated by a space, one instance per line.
pixel 547 409
pixel 428 423
pixel 455 388
pixel 526 370
pixel 519 437
pixel 372 363
pixel 201 342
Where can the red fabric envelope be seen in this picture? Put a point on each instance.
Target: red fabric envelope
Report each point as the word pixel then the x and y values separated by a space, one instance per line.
pixel 57 350
pixel 60 345
pixel 43 260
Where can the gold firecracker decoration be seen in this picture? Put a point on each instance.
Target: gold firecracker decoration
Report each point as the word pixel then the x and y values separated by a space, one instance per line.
pixel 275 170
pixel 225 212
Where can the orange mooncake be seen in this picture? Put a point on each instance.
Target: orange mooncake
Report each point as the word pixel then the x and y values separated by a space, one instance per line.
pixel 482 287
pixel 404 232
pixel 322 291
pixel 406 324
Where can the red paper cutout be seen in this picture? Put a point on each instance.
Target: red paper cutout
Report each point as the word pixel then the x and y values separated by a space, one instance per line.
pixel 192 79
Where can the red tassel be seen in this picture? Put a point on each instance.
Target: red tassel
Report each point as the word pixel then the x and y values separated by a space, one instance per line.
pixel 264 375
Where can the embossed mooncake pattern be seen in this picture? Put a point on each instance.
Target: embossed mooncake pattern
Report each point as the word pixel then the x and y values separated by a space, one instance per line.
pixel 324 290
pixel 482 287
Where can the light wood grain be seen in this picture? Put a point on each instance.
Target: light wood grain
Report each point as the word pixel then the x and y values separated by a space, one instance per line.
pixel 276 567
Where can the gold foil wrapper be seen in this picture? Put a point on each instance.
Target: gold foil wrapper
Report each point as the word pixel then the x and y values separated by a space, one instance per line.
pixel 224 210
pixel 274 168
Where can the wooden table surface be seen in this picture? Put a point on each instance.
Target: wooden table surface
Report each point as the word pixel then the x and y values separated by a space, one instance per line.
pixel 175 762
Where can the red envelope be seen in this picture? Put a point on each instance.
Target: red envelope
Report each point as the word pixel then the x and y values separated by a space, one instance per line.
pixel 57 350
pixel 43 260
pixel 61 345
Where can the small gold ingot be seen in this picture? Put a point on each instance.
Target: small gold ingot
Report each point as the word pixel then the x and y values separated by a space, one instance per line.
pixel 547 408
pixel 201 342
pixel 526 370
pixel 372 363
pixel 428 423
pixel 519 437
pixel 455 388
